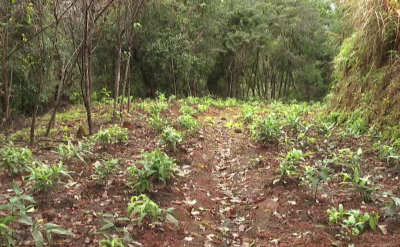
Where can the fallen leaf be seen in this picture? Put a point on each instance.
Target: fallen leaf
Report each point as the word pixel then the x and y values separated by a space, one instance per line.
pixel 242 228
pixel 383 229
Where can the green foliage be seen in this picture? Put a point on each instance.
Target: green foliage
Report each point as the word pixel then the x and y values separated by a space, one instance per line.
pixel 154 107
pixel 103 169
pixel 111 135
pixel 157 122
pixel 390 153
pixel 393 207
pixel 148 209
pixel 17 213
pixel 292 117
pixel 187 110
pixel 266 130
pixel 290 163
pixel 363 185
pixel 45 178
pixel 312 176
pixel 109 225
pixel 14 159
pixel 80 151
pixel 171 138
pixel 36 227
pixel 188 123
pixel 14 209
pixel 248 113
pixel 353 220
pixel 202 108
pixel 157 166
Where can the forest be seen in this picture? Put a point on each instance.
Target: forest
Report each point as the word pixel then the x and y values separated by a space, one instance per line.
pixel 199 123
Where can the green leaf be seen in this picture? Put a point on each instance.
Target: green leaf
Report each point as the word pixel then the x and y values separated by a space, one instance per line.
pixel 38 237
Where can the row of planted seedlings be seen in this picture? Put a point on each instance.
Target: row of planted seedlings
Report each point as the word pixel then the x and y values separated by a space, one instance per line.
pixel 306 127
pixel 43 178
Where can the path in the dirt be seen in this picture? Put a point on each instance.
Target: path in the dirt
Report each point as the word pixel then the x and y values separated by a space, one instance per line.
pixel 232 185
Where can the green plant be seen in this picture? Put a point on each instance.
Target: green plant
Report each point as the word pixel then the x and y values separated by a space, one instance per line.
pixel 171 138
pixel 314 175
pixel 157 122
pixel 326 128
pixel 103 169
pixel 356 221
pixel 113 241
pixel 80 151
pixel 248 113
pixel 150 210
pixel 363 185
pixel 202 108
pixel 14 208
pixel 189 123
pixel 157 166
pixel 17 213
pixel 45 178
pixel 353 221
pixel 393 207
pixel 266 130
pixel 290 163
pixel 292 119
pixel 110 135
pixel 187 110
pixel 335 216
pixel 14 159
pixel 36 227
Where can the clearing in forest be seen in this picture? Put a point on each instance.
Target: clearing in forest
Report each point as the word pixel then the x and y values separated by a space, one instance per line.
pixel 202 172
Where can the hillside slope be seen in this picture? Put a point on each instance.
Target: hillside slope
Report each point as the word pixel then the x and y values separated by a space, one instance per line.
pixel 367 67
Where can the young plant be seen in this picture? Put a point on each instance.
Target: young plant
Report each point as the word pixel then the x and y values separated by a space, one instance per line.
pixel 111 135
pixel 36 227
pixel 171 138
pixel 148 209
pixel 393 207
pixel 352 221
pixel 363 185
pixel 187 110
pixel 188 123
pixel 326 128
pixel 336 215
pixel 113 241
pixel 157 166
pixel 202 108
pixel 314 175
pixel 80 151
pixel 157 122
pixel 266 130
pixel 14 159
pixel 293 119
pixel 44 178
pixel 13 209
pixel 103 169
pixel 248 113
pixel 290 163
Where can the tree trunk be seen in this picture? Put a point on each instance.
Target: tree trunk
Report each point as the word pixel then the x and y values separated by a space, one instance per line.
pixel 127 70
pixel 89 11
pixel 117 74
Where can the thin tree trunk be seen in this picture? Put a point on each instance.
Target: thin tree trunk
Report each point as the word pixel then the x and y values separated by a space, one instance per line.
pixel 127 65
pixel 117 74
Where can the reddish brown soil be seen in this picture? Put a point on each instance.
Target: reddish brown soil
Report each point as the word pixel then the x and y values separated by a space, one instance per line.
pixel 233 200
